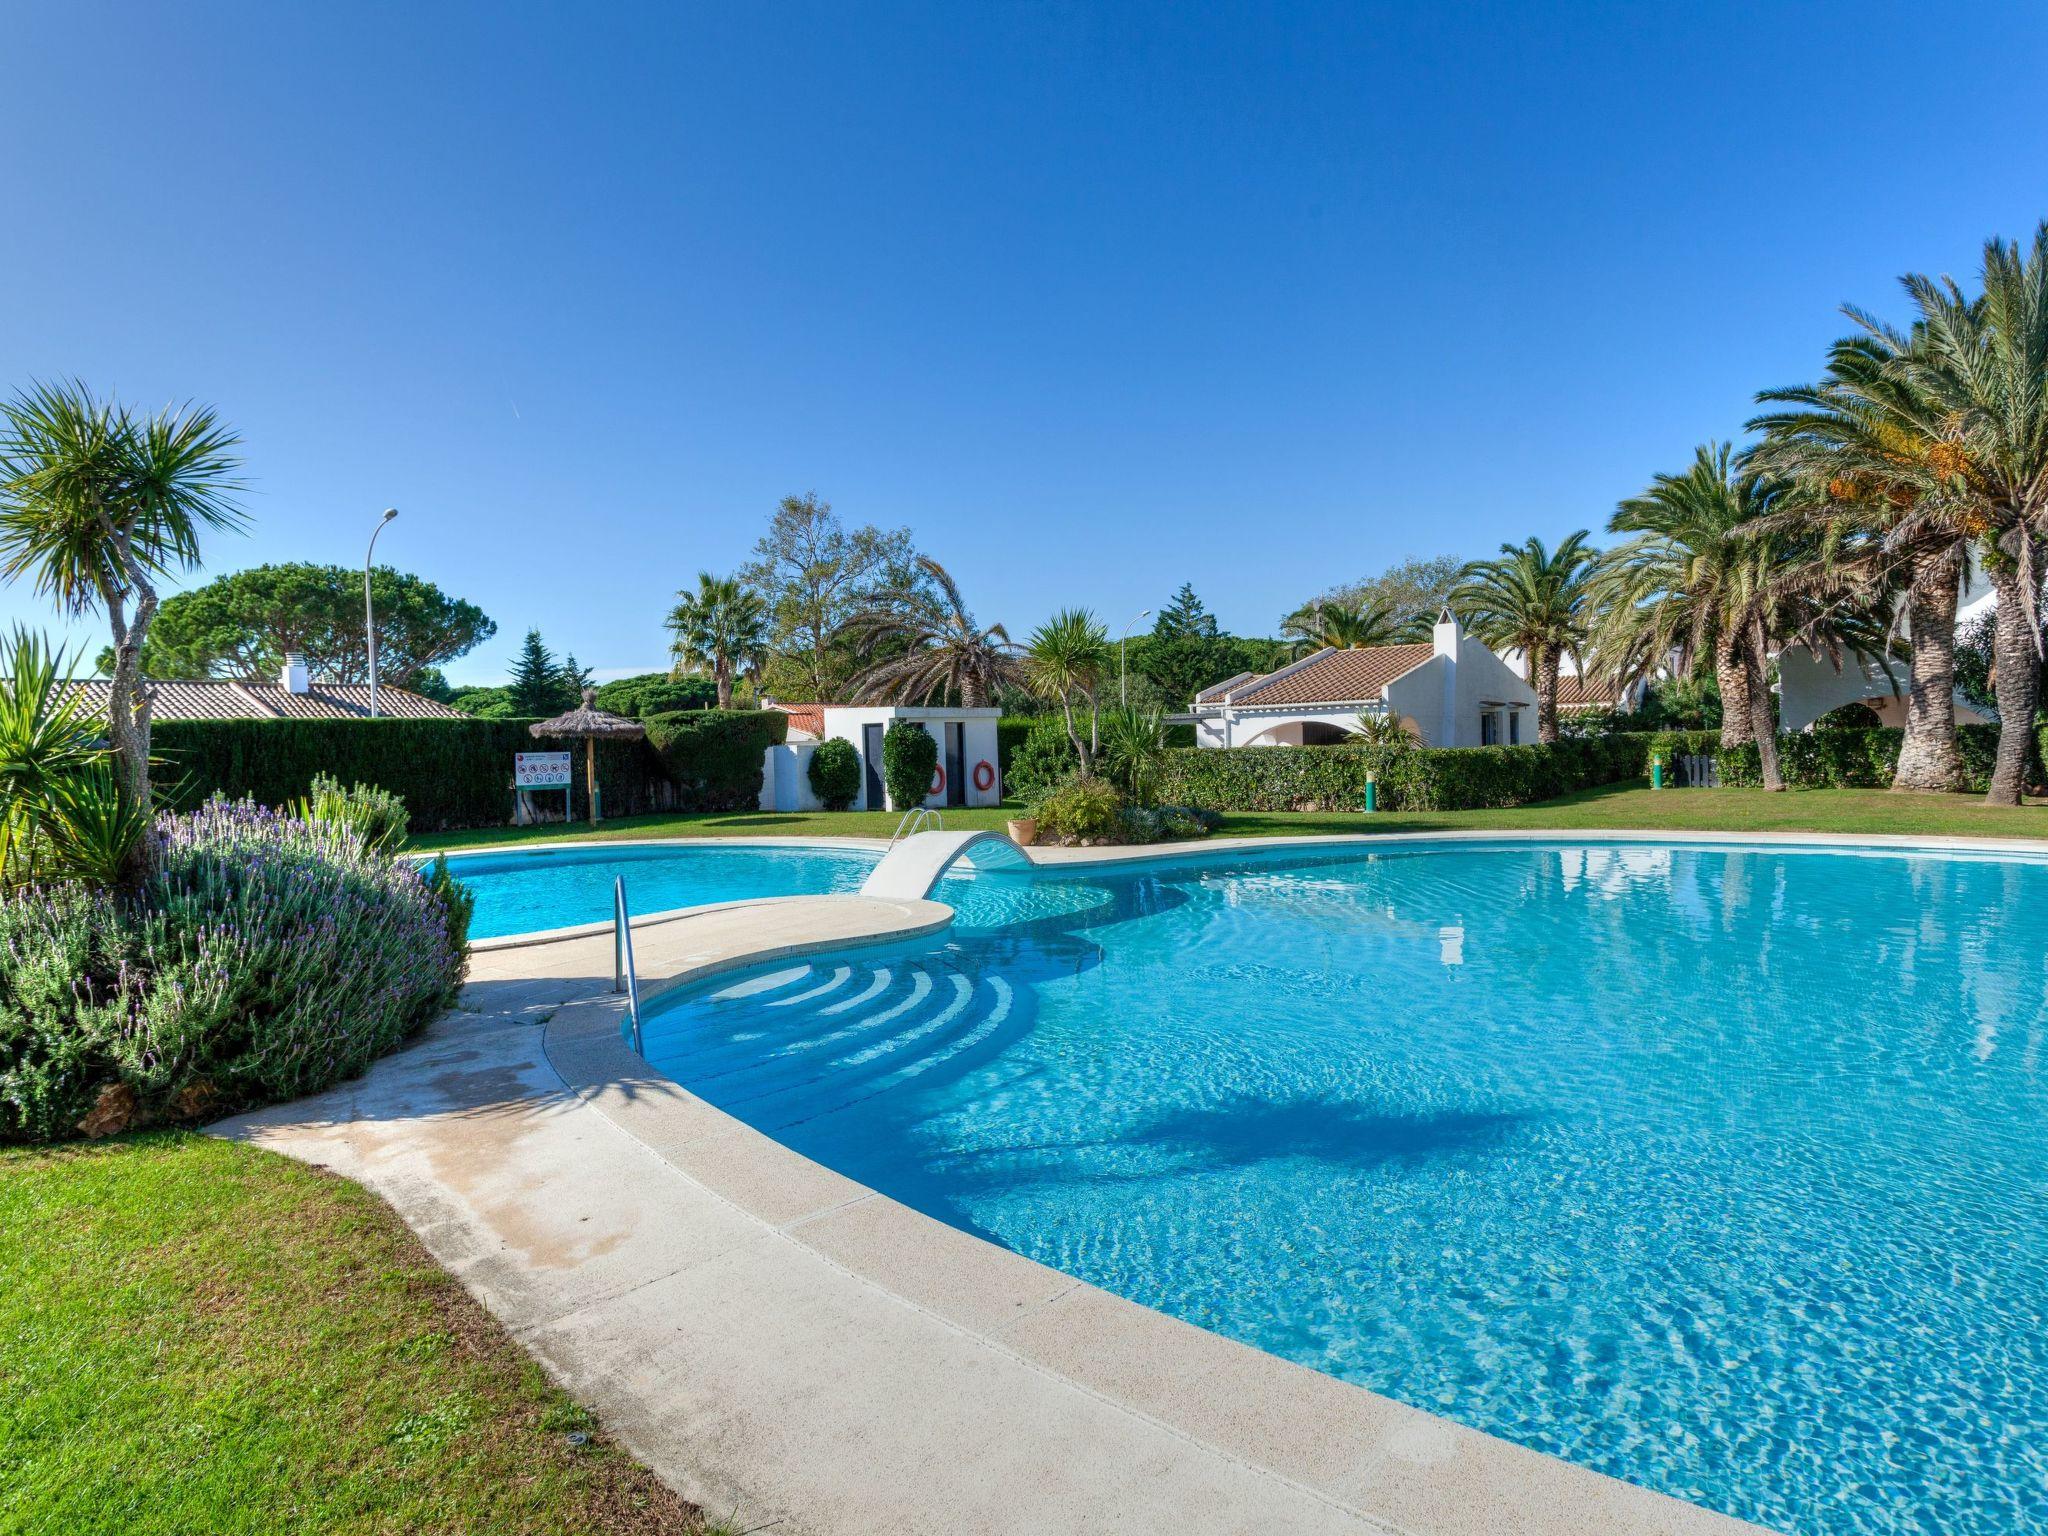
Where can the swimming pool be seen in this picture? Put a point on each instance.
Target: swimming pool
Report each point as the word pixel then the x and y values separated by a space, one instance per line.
pixel 1719 1170
pixel 540 888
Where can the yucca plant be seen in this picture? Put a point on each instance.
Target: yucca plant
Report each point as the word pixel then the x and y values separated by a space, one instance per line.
pixel 98 503
pixel 1063 662
pixel 1133 749
pixel 65 812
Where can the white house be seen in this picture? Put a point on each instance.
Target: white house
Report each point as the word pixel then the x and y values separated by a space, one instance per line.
pixel 1576 694
pixel 1450 691
pixel 969 771
pixel 1810 684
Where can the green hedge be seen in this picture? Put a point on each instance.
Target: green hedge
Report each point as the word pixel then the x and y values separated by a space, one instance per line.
pixel 713 756
pixel 458 773
pixel 1410 778
pixel 1855 759
pixel 1012 731
pixel 450 773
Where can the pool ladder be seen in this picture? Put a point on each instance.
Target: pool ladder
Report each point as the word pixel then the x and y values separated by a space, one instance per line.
pixel 624 977
pixel 919 818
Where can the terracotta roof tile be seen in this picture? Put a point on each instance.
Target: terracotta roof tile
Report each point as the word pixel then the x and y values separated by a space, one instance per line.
pixel 809 718
pixel 1581 693
pixel 1334 677
pixel 217 699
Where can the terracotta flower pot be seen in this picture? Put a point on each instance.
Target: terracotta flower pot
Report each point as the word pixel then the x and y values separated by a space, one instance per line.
pixel 1023 830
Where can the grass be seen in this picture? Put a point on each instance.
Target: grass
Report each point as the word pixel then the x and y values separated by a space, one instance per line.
pixel 1613 807
pixel 198 1336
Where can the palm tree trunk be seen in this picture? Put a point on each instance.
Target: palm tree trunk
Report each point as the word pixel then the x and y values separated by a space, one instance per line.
pixel 2016 686
pixel 1545 670
pixel 1929 762
pixel 1731 674
pixel 1763 720
pixel 721 676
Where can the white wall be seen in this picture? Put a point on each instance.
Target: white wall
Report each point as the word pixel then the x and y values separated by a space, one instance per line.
pixel 1809 686
pixel 846 721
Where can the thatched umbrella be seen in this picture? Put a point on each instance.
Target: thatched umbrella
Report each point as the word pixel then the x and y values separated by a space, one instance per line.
pixel 590 723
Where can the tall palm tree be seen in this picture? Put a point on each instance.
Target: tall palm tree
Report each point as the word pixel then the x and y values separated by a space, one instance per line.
pixel 934 648
pixel 720 629
pixel 1536 601
pixel 1984 365
pixel 1064 661
pixel 97 503
pixel 1351 626
pixel 1699 579
pixel 1863 443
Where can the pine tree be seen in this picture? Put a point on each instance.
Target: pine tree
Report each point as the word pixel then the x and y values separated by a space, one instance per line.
pixel 575 679
pixel 536 679
pixel 1185 618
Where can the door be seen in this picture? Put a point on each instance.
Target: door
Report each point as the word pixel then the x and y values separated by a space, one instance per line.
pixel 871 759
pixel 956 763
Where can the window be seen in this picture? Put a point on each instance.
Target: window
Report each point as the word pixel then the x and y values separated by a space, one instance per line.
pixel 1514 726
pixel 1489 729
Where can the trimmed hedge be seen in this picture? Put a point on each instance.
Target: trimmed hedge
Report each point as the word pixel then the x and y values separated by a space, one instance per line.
pixel 450 773
pixel 713 756
pixel 834 772
pixel 458 773
pixel 910 761
pixel 1410 778
pixel 1855 759
pixel 1012 731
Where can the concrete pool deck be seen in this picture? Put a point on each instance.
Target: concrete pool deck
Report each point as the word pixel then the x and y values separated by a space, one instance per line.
pixel 788 1347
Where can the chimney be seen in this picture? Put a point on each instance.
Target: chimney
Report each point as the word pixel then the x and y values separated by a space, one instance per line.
pixel 294 677
pixel 1446 634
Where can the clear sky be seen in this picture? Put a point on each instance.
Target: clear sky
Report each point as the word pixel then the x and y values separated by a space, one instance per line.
pixel 1095 299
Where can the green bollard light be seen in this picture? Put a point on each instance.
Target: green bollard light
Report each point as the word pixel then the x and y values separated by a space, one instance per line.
pixel 1372 793
pixel 1656 772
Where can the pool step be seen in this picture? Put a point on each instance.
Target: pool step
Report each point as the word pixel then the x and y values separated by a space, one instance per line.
pixel 805 1040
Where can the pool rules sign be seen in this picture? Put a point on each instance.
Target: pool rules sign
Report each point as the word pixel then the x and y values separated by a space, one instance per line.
pixel 544 770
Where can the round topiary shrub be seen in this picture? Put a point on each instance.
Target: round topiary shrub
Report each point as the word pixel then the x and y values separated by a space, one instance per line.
pixel 835 774
pixel 910 760
pixel 266 957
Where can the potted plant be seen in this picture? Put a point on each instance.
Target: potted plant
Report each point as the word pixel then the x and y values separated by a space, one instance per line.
pixel 1023 830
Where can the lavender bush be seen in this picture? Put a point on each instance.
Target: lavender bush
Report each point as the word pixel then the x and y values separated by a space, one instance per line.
pixel 267 957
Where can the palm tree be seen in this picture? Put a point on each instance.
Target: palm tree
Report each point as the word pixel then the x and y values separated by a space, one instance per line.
pixel 935 649
pixel 1701 578
pixel 721 628
pixel 1330 622
pixel 1535 601
pixel 1984 368
pixel 97 503
pixel 1064 659
pixel 1863 443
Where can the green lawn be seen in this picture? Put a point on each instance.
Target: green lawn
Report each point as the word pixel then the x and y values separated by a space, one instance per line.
pixel 1613 807
pixel 200 1337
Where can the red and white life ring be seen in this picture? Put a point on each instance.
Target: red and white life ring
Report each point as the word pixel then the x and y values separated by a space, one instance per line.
pixel 939 780
pixel 984 775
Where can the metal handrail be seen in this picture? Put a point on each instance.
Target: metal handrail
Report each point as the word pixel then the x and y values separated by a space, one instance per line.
pixel 624 977
pixel 916 818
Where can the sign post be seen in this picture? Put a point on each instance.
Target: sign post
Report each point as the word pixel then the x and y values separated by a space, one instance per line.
pixel 547 770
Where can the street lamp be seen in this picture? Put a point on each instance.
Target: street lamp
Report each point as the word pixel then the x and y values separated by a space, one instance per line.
pixel 1123 671
pixel 369 611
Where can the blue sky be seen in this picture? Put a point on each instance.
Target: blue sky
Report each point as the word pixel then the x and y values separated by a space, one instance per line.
pixel 1094 299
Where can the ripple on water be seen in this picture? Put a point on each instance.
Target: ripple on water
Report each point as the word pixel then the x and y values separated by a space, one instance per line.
pixel 1718 1170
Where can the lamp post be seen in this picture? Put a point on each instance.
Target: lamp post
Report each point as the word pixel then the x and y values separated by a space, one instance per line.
pixel 369 610
pixel 1123 672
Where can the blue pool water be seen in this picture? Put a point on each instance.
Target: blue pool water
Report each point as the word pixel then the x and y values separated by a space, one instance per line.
pixel 1721 1171
pixel 555 887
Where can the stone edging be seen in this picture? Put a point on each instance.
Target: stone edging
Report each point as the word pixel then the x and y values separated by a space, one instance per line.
pixel 1382 1464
